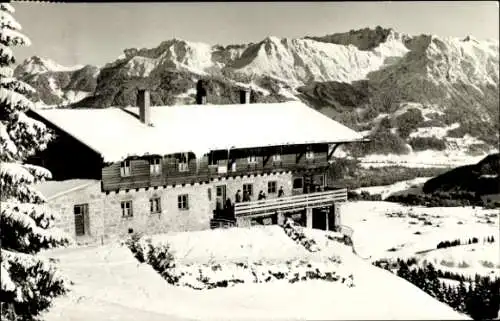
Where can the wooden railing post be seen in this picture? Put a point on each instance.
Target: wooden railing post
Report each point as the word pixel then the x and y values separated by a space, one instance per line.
pixel 296 202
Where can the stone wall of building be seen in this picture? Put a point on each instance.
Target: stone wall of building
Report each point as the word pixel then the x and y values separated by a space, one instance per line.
pixel 63 207
pixel 105 221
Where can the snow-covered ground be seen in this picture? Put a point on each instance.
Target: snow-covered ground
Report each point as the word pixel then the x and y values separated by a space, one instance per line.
pixel 483 259
pixel 232 245
pixel 409 186
pixel 423 159
pixel 390 230
pixel 109 284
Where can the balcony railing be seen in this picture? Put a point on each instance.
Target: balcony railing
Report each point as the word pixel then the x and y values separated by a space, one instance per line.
pixel 289 203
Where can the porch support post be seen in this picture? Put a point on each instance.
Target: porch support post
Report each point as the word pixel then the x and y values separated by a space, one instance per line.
pixel 330 154
pixel 281 218
pixel 243 222
pixel 327 220
pixel 309 217
pixel 337 221
pixel 266 160
pixel 298 157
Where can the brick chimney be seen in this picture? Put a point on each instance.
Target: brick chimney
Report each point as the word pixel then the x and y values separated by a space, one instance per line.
pixel 245 96
pixel 201 93
pixel 144 106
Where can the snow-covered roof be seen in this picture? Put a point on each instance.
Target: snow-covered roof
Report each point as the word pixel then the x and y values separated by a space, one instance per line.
pixel 53 189
pixel 116 133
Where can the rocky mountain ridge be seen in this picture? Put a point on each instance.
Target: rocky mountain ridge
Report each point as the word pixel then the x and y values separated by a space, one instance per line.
pixel 410 91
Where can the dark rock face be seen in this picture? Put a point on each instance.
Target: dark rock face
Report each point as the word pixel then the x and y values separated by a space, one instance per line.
pixel 481 178
pixel 363 39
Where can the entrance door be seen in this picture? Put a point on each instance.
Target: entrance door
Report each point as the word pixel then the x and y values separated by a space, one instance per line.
pixel 319 219
pixel 220 196
pixel 81 219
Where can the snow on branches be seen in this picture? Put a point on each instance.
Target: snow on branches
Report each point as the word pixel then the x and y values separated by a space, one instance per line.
pixel 13 84
pixel 12 37
pixel 19 272
pixel 5 7
pixel 7 21
pixel 6 55
pixel 28 136
pixel 28 284
pixel 28 228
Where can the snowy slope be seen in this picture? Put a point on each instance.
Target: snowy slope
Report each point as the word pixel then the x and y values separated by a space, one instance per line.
pixel 195 57
pixel 381 226
pixel 468 60
pixel 56 84
pixel 38 65
pixel 110 284
pixel 388 190
pixel 298 61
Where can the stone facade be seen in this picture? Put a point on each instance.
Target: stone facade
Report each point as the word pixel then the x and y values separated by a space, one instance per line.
pixel 105 221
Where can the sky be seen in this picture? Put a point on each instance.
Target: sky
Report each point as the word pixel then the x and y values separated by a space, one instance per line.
pixel 97 33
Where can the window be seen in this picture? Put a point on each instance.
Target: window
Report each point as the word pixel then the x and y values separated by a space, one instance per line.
pixel 276 158
pixel 271 187
pixel 155 166
pixel 319 180
pixel 125 168
pixel 155 205
pixel 298 183
pixel 81 212
pixel 127 209
pixel 248 188
pixel 212 161
pixel 209 190
pixel 183 162
pixel 310 154
pixel 182 201
pixel 252 159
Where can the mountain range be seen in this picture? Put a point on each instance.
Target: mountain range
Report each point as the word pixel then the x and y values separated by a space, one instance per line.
pixel 406 93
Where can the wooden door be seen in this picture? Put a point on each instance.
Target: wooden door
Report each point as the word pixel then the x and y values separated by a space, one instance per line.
pixel 81 219
pixel 220 196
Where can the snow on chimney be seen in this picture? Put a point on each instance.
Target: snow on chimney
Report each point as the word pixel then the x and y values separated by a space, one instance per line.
pixel 201 93
pixel 245 96
pixel 144 106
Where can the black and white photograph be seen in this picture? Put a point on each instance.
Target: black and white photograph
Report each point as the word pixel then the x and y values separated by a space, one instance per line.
pixel 243 161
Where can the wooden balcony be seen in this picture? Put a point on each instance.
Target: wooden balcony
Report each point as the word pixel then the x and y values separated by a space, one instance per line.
pixel 290 203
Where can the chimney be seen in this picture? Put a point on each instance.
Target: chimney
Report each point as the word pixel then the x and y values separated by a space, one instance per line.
pixel 201 93
pixel 245 96
pixel 144 106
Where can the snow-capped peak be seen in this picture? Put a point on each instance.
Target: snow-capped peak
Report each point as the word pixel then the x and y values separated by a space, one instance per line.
pixel 38 65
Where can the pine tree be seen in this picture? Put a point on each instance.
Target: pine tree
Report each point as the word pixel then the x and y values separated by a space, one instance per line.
pixel 461 296
pixel 28 283
pixel 403 271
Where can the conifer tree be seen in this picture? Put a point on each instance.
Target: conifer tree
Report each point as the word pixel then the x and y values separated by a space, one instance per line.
pixel 28 282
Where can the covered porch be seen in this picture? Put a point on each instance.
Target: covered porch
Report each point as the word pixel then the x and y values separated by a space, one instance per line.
pixel 313 210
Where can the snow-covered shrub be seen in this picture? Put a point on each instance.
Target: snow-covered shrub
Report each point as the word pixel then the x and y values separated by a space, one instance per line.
pixel 205 276
pixel 363 196
pixel 217 274
pixel 296 233
pixel 160 257
pixel 344 239
pixel 28 283
pixel 133 244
